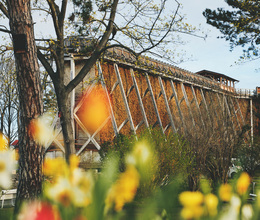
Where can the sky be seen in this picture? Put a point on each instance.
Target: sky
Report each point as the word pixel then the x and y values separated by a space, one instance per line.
pixel 214 54
pixel 210 54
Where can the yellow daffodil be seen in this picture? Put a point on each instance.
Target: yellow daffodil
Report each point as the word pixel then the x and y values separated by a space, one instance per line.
pixel 247 211
pixel 211 202
pixel 142 152
pixel 233 209
pixel 225 192
pixel 7 165
pixel 243 183
pixel 40 130
pixel 191 212
pixel 124 189
pixel 191 202
pixel 235 203
pixel 140 155
pixel 3 142
pixel 74 162
pixel 60 192
pixel 188 198
pixel 82 184
pixel 71 186
pixel 54 167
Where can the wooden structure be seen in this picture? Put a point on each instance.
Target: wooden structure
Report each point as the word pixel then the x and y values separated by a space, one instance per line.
pixel 148 93
pixel 257 91
pixel 7 197
pixel 226 82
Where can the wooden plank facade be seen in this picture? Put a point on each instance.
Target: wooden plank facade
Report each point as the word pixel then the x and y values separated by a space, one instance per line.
pixel 148 93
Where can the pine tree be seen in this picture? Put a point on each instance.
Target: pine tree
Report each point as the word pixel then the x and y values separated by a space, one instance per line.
pixel 240 26
pixel 30 98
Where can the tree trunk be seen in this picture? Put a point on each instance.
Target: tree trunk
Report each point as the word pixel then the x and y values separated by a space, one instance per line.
pixel 30 98
pixel 63 100
pixel 2 121
pixel 66 122
pixel 9 117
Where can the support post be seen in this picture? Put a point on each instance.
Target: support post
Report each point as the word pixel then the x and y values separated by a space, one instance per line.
pixel 197 105
pixel 109 101
pixel 229 114
pixel 206 106
pixel 139 98
pixel 178 106
pixel 124 98
pixel 72 95
pixel 251 117
pixel 235 113
pixel 167 105
pixel 213 107
pixel 188 104
pixel 153 101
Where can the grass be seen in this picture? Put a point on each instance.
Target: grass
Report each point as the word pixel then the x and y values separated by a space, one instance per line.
pixel 6 213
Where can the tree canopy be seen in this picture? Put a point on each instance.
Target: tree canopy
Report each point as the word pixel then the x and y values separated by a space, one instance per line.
pixel 138 26
pixel 240 26
pixel 9 109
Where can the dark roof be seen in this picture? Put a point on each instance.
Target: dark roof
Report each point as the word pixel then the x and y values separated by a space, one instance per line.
pixel 207 73
pixel 15 143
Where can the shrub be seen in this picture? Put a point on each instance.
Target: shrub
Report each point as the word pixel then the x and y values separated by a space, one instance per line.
pixel 172 156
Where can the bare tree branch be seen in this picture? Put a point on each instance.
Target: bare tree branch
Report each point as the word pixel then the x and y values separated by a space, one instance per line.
pixel 62 13
pixel 91 61
pixel 5 30
pixel 46 65
pixel 4 9
pixel 55 14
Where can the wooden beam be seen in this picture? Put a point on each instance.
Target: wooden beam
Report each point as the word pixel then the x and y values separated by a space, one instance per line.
pixel 206 106
pixel 113 120
pixel 167 104
pixel 145 121
pixel 124 98
pixel 178 105
pixel 235 113
pixel 188 104
pixel 154 102
pixel 197 105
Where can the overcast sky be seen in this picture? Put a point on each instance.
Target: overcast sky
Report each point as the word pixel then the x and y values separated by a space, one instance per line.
pixel 214 54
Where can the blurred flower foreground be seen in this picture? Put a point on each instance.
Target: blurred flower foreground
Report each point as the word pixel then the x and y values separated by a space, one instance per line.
pixel 71 193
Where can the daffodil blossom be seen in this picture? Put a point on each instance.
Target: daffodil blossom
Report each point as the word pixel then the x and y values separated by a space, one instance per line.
pixel 233 209
pixel 41 131
pixel 7 165
pixel 82 184
pixel 60 192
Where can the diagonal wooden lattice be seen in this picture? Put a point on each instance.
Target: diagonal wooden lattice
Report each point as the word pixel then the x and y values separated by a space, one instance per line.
pixel 172 107
pixel 91 138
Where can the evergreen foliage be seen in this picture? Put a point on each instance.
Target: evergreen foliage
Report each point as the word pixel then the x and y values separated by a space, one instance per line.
pixel 239 26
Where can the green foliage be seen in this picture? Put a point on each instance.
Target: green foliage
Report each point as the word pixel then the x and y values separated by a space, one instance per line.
pixel 172 156
pixel 240 26
pixel 104 182
pixel 9 104
pixel 82 9
pixel 120 146
pixel 161 204
pixel 6 213
pixel 249 157
pixel 49 96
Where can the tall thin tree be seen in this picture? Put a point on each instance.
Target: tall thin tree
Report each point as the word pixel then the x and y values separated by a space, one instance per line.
pixel 30 98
